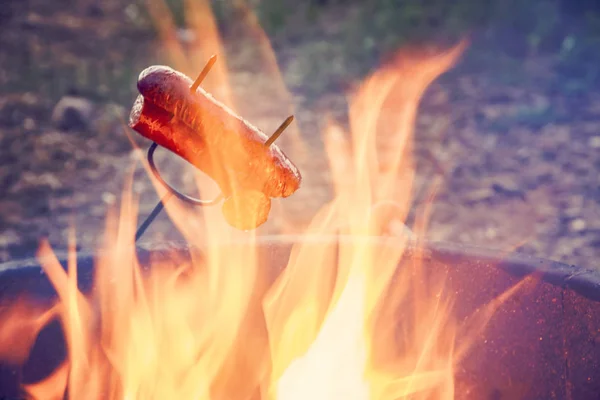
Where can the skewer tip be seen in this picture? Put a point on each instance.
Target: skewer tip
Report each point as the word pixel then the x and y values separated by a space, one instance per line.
pixel 279 131
pixel 211 61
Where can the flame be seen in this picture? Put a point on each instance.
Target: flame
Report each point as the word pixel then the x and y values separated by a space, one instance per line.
pixel 22 322
pixel 335 357
pixel 350 318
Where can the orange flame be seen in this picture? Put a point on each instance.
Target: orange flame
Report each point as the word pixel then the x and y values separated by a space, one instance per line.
pixel 21 323
pixel 211 326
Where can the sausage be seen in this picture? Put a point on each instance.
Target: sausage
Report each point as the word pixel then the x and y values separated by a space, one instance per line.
pixel 210 136
pixel 217 141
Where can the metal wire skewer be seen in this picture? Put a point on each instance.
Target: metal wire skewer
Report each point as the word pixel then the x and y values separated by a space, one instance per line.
pixel 152 216
pixel 171 191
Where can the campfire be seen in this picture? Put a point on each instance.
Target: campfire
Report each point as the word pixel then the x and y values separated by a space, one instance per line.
pixel 355 309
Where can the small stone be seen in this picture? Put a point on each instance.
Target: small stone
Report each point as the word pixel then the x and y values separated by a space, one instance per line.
pixel 8 238
pixel 72 113
pixel 492 112
pixel 594 142
pixel 132 12
pixel 29 124
pixel 491 232
pixel 507 183
pixel 577 225
pixel 138 187
pixel 50 180
pixel 508 186
pixel 186 36
pixel 30 98
pixel 479 195
pixel 136 154
pixel 109 198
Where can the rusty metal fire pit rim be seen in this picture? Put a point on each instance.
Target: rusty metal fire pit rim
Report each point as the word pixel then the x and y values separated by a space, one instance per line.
pixel 536 316
pixel 584 281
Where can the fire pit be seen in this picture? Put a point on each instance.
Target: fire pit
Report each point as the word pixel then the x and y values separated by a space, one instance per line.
pixel 355 307
pixel 541 342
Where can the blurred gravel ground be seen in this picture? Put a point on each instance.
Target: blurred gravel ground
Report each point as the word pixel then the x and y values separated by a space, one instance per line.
pixel 519 163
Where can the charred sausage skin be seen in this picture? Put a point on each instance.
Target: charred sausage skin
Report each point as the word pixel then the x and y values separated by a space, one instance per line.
pixel 209 135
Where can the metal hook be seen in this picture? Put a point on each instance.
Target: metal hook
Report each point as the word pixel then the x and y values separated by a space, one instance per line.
pixel 184 197
pixel 171 191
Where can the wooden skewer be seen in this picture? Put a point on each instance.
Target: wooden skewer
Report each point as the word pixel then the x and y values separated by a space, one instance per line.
pixel 211 61
pixel 279 131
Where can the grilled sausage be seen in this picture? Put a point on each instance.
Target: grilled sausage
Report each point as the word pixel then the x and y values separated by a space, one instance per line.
pixel 210 136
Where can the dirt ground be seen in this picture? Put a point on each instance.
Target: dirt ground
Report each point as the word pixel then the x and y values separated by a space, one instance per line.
pixel 519 162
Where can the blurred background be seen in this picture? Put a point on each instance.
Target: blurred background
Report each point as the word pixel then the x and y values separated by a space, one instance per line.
pixel 512 131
